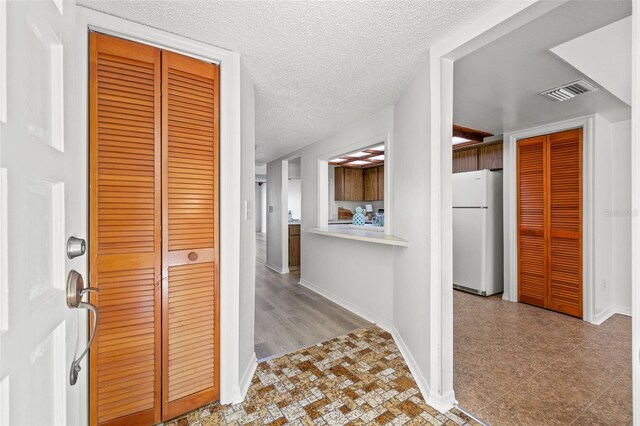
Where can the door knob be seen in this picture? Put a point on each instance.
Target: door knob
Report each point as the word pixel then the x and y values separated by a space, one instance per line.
pixel 75 292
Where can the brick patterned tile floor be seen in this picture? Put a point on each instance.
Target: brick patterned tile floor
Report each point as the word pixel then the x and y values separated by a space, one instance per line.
pixel 356 379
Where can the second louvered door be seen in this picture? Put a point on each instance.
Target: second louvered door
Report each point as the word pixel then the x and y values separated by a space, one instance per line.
pixel 564 221
pixel 190 238
pixel 550 221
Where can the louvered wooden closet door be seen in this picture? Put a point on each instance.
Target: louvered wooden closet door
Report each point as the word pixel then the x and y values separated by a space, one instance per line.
pixel 125 228
pixel 190 223
pixel 532 279
pixel 550 221
pixel 565 222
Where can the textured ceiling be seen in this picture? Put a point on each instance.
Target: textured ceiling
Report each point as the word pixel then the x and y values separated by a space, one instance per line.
pixel 316 66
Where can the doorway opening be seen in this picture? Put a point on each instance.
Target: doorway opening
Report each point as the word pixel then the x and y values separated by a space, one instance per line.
pixel 553 313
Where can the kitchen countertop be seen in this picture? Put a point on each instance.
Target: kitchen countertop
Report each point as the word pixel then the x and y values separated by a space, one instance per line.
pixel 294 222
pixel 344 222
pixel 350 233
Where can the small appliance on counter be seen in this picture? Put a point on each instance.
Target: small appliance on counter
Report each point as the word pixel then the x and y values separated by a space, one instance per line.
pixel 378 219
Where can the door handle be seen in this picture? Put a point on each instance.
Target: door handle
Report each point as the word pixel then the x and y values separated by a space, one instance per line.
pixel 75 292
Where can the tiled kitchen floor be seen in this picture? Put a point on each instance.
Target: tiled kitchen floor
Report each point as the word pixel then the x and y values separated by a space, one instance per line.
pixel 518 364
pixel 359 378
pixel 290 316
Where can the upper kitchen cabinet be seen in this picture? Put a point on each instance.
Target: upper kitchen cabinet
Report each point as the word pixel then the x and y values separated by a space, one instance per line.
pixel 359 176
pixel 380 182
pixel 357 184
pixel 353 184
pixel 338 179
pixel 370 184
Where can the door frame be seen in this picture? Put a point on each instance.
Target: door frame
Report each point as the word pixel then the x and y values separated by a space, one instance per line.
pixel 230 140
pixel 499 21
pixel 510 218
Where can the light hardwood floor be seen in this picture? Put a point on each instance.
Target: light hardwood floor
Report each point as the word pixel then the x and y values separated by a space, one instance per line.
pixel 291 317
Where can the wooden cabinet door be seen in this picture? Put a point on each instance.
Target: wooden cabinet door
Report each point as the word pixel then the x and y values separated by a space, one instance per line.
pixel 371 184
pixel 353 184
pixel 124 205
pixel 294 246
pixel 565 222
pixel 550 221
pixel 532 276
pixel 338 181
pixel 381 183
pixel 190 311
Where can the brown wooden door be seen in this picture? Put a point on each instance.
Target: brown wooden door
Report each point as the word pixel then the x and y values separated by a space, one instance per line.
pixel 154 125
pixel 125 239
pixel 549 183
pixel 564 221
pixel 190 311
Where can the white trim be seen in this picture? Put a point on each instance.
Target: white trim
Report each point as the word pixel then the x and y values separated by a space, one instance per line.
pixel 276 268
pixel 383 324
pixel 323 180
pixel 500 20
pixel 247 376
pixel 3 61
pixel 635 208
pixel 230 208
pixel 588 207
pixel 608 313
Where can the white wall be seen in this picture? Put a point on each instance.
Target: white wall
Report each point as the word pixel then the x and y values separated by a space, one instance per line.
pixel 277 194
pixel 621 215
pixel 294 198
pixel 247 227
pixel 357 273
pixel 612 217
pixel 602 219
pixel 411 219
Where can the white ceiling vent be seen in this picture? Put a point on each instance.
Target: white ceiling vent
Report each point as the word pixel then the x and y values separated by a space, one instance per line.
pixel 570 90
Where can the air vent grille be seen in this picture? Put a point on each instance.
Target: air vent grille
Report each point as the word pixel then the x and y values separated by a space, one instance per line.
pixel 569 90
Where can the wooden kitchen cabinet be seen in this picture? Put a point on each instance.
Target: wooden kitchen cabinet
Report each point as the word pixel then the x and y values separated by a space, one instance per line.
pixel 380 183
pixel 338 180
pixel 353 184
pixel 294 247
pixel 371 184
pixel 356 184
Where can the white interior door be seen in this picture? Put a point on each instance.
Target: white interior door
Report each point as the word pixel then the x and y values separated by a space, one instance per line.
pixel 42 202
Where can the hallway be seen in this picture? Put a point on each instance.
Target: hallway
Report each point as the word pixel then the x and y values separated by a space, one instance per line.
pixel 290 317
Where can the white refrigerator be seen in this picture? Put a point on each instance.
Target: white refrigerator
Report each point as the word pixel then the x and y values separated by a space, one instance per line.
pixel 477 232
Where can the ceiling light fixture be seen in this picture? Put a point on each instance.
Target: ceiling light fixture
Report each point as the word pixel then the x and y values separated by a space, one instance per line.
pixel 359 163
pixel 456 140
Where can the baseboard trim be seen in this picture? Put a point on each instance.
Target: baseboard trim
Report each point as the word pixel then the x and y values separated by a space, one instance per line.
pixel 608 313
pixel 347 305
pixel 622 310
pixel 247 377
pixel 276 268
